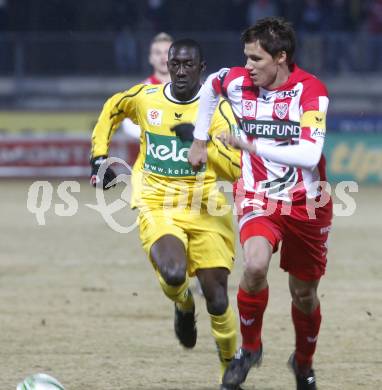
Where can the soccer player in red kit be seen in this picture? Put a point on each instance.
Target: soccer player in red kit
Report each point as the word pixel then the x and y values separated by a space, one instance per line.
pixel 281 197
pixel 159 47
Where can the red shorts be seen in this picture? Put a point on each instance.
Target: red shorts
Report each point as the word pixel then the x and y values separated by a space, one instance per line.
pixel 304 242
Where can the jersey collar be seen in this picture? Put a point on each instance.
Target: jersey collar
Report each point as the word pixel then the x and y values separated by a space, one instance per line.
pixel 167 93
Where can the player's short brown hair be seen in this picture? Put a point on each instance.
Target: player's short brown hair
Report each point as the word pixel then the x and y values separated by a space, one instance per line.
pixel 274 35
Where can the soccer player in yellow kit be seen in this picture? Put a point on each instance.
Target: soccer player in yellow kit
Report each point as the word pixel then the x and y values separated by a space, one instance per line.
pixel 183 226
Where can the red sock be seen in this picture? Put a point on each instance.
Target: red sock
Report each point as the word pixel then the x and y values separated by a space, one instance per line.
pixel 306 327
pixel 251 310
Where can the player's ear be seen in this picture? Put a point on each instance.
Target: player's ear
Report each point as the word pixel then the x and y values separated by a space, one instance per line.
pixel 203 66
pixel 281 57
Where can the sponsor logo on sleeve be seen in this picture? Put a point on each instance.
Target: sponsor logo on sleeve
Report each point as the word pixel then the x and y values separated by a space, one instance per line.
pixel 316 133
pixel 318 119
pixel 151 90
pixel 154 117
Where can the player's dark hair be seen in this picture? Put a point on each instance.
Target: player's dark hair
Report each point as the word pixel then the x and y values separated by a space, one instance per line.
pixel 274 35
pixel 190 43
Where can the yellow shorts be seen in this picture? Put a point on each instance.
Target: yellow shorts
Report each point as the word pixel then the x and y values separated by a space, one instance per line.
pixel 209 240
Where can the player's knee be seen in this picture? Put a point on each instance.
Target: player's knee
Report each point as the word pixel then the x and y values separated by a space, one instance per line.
pixel 305 299
pixel 217 305
pixel 256 262
pixel 255 270
pixel 174 275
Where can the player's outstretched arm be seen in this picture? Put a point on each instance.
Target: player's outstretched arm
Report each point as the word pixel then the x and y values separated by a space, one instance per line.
pixel 209 99
pixel 306 154
pixel 101 174
pixel 118 107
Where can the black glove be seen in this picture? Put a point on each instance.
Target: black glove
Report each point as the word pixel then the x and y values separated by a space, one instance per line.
pixel 184 131
pixel 108 177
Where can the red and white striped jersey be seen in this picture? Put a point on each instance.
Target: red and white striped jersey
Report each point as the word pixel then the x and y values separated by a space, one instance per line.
pixel 287 124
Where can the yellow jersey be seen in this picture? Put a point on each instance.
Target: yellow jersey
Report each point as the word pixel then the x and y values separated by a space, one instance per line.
pixel 162 174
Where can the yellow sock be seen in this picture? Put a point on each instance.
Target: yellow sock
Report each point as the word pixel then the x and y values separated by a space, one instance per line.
pixel 181 295
pixel 224 331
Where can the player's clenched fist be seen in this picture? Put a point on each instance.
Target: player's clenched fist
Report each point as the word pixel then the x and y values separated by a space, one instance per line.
pixel 197 155
pixel 101 178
